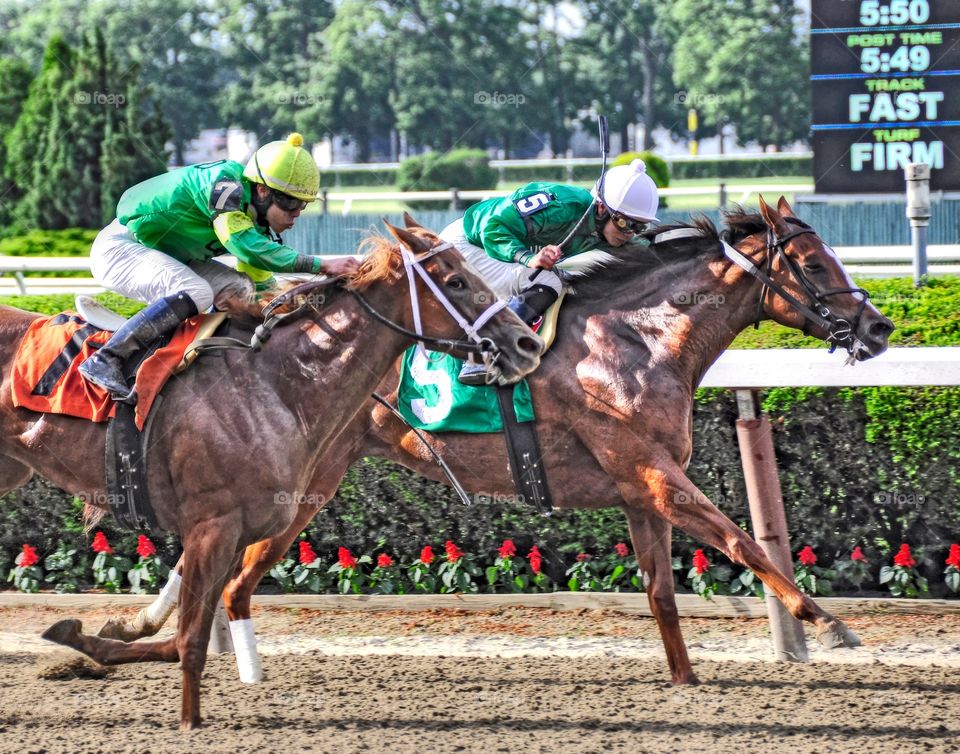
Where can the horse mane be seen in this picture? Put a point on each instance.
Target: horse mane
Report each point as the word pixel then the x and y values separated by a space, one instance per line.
pixel 740 224
pixel 381 261
pixel 630 261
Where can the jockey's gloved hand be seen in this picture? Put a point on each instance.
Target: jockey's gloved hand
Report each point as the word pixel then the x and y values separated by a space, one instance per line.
pixel 547 257
pixel 340 266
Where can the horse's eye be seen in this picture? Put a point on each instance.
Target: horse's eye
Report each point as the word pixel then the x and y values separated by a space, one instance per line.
pixel 813 267
pixel 456 283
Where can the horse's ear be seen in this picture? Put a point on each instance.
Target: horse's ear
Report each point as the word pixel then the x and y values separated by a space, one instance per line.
pixel 784 208
pixel 412 241
pixel 772 217
pixel 409 222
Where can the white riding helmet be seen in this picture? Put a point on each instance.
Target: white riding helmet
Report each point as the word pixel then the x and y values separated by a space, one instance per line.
pixel 628 190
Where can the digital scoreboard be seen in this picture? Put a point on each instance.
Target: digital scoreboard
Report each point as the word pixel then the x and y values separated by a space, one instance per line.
pixel 885 82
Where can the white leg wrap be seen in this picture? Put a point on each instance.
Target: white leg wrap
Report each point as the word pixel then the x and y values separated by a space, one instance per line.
pixel 166 602
pixel 245 648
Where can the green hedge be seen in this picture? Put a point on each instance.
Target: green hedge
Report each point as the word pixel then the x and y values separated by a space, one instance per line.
pixel 868 466
pixel 657 167
pixel 70 242
pixel 759 167
pixel 465 169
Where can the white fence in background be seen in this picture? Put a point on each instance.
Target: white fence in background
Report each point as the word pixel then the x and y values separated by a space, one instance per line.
pixel 861 261
pixel 739 194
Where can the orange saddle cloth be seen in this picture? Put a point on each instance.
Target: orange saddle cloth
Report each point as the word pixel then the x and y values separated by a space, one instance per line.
pixel 46 377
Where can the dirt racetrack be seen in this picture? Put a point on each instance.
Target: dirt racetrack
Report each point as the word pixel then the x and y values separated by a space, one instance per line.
pixel 498 681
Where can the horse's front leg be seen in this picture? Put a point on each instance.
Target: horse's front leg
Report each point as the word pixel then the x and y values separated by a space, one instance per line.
pixel 651 537
pixel 259 557
pixel 666 490
pixel 210 552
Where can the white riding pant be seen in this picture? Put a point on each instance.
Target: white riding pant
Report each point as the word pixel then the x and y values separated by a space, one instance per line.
pixel 121 263
pixel 505 278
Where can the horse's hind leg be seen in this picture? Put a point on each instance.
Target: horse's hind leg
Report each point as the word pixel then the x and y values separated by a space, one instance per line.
pixel 13 474
pixel 109 651
pixel 150 619
pixel 651 537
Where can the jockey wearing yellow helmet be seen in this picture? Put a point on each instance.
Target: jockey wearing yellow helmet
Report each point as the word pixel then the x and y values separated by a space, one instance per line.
pixel 160 248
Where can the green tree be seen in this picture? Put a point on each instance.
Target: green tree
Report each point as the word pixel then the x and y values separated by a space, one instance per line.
pixel 462 70
pixel 171 42
pixel 36 145
pixel 356 76
pixel 134 148
pixel 625 49
pixel 86 132
pixel 749 65
pixel 15 77
pixel 271 51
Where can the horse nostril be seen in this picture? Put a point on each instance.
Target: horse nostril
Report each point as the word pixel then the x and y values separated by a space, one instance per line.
pixel 530 345
pixel 882 328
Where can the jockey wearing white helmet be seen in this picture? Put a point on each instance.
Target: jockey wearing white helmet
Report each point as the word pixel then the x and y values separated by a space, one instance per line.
pixel 514 242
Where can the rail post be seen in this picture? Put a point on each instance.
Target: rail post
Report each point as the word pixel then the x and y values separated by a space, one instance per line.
pixel 768 518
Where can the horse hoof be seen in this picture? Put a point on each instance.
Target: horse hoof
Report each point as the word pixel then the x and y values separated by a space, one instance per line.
pixel 119 629
pixel 835 634
pixel 687 679
pixel 188 725
pixel 64 632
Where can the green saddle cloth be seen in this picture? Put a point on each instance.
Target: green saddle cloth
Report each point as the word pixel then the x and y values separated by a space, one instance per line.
pixel 431 398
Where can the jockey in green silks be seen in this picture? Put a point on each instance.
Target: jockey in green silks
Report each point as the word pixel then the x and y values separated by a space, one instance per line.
pixel 513 242
pixel 160 248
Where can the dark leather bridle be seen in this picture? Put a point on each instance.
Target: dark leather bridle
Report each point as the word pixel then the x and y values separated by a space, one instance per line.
pixel 841 331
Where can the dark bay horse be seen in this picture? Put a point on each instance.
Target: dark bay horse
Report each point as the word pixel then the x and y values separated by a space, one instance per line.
pixel 614 401
pixel 240 427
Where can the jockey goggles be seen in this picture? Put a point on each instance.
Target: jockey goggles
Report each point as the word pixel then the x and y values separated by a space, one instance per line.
pixel 286 202
pixel 624 223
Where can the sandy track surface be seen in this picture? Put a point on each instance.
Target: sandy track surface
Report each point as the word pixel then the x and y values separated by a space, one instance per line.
pixel 506 680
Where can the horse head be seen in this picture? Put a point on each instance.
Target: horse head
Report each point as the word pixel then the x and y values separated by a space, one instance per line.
pixel 825 301
pixel 447 298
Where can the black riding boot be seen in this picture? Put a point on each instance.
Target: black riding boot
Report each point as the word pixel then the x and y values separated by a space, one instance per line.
pixel 105 367
pixel 529 306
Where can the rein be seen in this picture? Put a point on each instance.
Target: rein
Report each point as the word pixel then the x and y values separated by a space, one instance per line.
pixel 475 344
pixel 841 332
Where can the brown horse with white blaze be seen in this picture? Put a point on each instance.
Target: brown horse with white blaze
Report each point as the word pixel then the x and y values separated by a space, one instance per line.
pixel 614 400
pixel 239 426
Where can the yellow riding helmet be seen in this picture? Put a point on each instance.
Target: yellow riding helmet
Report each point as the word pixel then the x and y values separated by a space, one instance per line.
pixel 285 166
